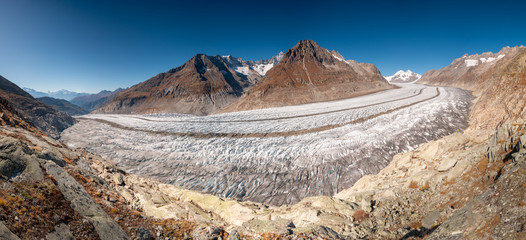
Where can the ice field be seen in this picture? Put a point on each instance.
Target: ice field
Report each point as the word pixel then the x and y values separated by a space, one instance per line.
pixel 276 155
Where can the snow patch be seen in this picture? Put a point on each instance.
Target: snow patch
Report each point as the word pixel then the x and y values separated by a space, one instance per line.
pixel 243 70
pixel 339 58
pixel 471 62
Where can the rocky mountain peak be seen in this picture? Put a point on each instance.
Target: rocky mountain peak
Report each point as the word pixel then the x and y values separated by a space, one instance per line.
pixel 309 51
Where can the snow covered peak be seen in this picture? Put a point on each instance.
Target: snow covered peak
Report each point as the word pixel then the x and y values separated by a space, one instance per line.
pixel 404 77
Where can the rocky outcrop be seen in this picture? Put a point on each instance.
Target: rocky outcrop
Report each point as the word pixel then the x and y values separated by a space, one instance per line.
pixel 309 73
pixel 33 111
pixel 448 188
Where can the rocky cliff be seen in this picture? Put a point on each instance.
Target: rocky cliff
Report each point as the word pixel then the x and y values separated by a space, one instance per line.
pixel 309 73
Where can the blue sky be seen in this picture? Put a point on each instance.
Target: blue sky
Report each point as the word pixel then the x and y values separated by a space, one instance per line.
pixel 94 45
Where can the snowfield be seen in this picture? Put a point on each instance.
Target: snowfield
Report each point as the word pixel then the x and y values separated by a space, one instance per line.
pixel 276 155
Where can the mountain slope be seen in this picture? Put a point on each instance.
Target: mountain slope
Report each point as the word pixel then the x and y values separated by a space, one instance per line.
pixel 498 79
pixel 309 73
pixel 403 77
pixel 40 115
pixel 63 105
pixel 93 101
pixel 202 85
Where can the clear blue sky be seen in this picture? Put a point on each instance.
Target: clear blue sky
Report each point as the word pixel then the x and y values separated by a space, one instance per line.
pixel 94 45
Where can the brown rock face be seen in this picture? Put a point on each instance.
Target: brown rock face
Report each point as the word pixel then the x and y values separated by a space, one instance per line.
pixel 309 73
pixel 499 80
pixel 201 86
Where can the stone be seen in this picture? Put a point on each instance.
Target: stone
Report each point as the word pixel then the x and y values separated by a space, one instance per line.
pixel 208 233
pixel 234 235
pixel 52 156
pixel 118 179
pixel 430 219
pixel 61 232
pixel 82 202
pixel 446 164
pixel 6 234
pixel 325 232
pixel 143 233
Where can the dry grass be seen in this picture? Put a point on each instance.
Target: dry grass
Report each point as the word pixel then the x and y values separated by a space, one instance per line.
pixel 413 185
pixel 31 210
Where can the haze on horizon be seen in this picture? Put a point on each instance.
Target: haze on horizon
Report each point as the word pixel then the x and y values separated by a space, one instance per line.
pixel 88 46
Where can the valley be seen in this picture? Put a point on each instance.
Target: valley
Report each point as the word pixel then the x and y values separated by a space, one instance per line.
pixel 276 155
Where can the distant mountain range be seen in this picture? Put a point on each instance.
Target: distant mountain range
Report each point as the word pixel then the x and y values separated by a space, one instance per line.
pixel 403 77
pixel 60 94
pixel 210 84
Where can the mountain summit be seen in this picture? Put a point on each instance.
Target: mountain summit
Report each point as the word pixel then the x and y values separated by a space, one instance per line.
pixel 309 73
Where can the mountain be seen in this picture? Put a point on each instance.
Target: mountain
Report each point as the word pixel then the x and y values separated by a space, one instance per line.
pixel 309 73
pixel 403 77
pixel 91 102
pixel 63 105
pixel 35 112
pixel 498 79
pixel 201 86
pixel 60 94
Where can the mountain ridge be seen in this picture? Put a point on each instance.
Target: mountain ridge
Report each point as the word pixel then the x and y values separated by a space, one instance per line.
pixel 60 94
pixel 200 86
pixel 309 73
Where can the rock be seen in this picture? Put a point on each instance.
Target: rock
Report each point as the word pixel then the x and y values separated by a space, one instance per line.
pixel 54 156
pixel 6 234
pixel 522 143
pixel 325 232
pixel 234 235
pixel 430 219
pixel 208 233
pixel 447 164
pixel 61 232
pixel 82 202
pixel 143 233
pixel 118 179
pixel 13 157
pixel 16 161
